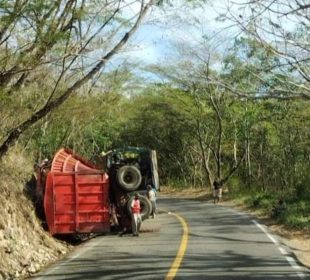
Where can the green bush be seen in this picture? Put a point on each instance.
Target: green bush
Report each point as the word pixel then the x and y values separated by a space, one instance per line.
pixel 235 185
pixel 176 183
pixel 295 220
pixel 297 213
pixel 302 189
pixel 261 200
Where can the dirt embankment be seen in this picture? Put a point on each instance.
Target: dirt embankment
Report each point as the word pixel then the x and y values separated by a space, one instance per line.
pixel 24 246
pixel 297 241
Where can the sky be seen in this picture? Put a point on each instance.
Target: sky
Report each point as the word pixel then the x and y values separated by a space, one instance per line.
pixel 163 29
pixel 166 30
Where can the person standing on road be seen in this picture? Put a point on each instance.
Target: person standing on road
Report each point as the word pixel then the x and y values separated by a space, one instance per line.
pixel 136 220
pixel 125 219
pixel 217 192
pixel 151 195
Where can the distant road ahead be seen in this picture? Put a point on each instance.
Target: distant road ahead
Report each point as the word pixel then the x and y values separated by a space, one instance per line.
pixel 204 241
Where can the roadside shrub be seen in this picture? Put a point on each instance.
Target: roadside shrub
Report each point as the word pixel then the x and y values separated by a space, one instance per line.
pixel 235 185
pixel 261 200
pixel 302 189
pixel 295 220
pixel 176 183
pixel 297 215
pixel 297 212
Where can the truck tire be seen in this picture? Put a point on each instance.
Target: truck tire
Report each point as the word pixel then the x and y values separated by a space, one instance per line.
pixel 146 206
pixel 129 177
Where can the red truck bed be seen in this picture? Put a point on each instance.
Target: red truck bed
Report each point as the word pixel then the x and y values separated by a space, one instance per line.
pixel 76 196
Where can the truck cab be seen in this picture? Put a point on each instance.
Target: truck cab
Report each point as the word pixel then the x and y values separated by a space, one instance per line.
pixel 131 170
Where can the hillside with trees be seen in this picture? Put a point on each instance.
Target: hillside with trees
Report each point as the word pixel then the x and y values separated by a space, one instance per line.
pixel 239 116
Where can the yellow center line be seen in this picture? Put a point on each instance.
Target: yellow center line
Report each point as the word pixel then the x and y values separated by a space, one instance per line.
pixel 179 257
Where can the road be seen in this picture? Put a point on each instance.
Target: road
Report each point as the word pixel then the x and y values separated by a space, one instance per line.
pixel 187 240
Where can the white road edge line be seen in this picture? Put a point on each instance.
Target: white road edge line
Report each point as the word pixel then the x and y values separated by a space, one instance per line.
pixel 290 260
pixel 293 263
pixel 283 251
pixel 266 232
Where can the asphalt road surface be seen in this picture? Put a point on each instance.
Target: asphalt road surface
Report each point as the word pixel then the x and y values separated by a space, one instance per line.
pixel 187 240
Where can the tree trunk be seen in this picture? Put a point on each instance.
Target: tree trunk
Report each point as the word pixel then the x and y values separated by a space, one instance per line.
pixel 205 158
pixel 219 138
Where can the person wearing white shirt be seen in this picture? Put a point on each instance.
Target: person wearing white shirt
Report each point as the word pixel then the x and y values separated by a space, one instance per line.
pixel 151 195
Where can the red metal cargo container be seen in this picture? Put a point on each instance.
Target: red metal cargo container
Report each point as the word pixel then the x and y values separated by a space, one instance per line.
pixel 76 196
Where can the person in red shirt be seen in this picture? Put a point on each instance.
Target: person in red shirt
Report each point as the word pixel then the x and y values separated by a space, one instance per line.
pixel 136 220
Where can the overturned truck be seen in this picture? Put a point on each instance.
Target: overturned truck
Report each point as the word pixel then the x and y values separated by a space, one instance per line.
pixel 78 197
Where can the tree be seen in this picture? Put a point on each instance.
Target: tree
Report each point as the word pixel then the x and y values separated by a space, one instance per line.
pixel 156 119
pixel 64 23
pixel 281 30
